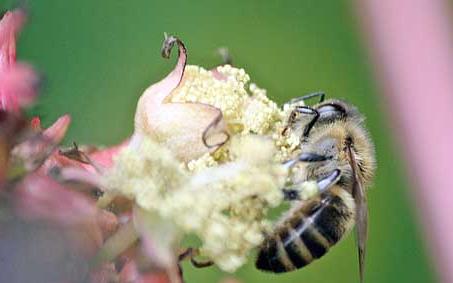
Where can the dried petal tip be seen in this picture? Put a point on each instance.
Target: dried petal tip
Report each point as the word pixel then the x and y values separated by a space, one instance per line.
pixel 169 42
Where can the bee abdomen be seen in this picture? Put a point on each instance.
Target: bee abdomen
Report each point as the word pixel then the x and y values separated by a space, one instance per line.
pixel 305 236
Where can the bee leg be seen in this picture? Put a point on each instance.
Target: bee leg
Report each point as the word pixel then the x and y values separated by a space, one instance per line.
pixel 191 253
pixel 302 110
pixel 308 96
pixel 201 264
pixel 306 157
pixel 296 192
pixel 309 126
pixel 325 183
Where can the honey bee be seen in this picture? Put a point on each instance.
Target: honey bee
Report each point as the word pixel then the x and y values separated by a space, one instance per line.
pixel 337 151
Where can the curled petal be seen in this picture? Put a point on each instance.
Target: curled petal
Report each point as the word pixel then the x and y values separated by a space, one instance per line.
pixel 187 129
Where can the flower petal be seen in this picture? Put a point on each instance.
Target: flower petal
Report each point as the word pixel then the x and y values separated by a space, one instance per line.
pixel 37 149
pixel 10 26
pixel 159 237
pixel 104 157
pixel 40 198
pixel 106 273
pixel 131 273
pixel 18 82
pixel 188 129
pixel 18 87
pixel 57 131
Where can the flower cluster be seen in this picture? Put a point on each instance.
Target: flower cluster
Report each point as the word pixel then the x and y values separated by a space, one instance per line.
pixel 204 159
pixel 224 205
pixel 220 193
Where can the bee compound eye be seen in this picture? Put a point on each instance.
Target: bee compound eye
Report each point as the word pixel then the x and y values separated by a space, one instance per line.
pixel 331 112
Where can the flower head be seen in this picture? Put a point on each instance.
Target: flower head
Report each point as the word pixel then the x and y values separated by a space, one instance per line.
pixel 204 160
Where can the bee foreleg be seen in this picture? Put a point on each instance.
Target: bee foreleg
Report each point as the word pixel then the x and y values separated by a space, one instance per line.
pixel 325 183
pixel 308 189
pixel 302 110
pixel 309 111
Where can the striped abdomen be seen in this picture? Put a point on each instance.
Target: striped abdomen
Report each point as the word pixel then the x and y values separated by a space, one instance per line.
pixel 308 233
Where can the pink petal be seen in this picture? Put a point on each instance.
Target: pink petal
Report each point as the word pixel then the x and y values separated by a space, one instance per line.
pixel 10 26
pixel 82 174
pixel 104 157
pixel 108 223
pixel 18 82
pixel 33 152
pixel 57 131
pixel 40 198
pixel 218 75
pixel 35 123
pixel 18 87
pixel 131 273
pixel 182 127
pixel 106 273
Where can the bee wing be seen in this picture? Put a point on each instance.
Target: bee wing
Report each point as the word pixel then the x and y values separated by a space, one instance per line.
pixel 361 213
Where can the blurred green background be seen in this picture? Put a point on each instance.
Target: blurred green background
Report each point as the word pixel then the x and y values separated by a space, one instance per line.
pixel 98 56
